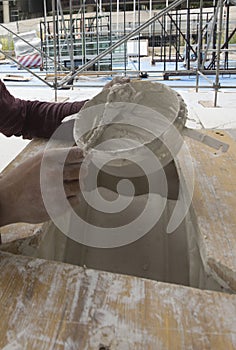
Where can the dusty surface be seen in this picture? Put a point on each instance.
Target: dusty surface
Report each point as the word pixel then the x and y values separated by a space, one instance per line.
pixel 213 205
pixel 47 305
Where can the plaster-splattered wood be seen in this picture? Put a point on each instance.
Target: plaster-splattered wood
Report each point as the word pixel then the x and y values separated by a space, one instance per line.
pixel 49 305
pixel 22 230
pixel 18 231
pixel 214 204
pixel 12 232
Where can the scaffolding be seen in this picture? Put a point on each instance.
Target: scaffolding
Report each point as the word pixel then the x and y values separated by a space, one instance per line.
pixel 181 35
pixel 79 40
pixel 182 38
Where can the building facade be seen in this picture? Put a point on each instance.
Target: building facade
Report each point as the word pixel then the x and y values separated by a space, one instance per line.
pixel 16 10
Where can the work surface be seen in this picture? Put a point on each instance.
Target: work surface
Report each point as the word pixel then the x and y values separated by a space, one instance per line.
pixel 212 211
pixel 213 204
pixel 49 305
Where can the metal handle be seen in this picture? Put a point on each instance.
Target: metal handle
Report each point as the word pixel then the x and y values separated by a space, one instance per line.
pixel 206 139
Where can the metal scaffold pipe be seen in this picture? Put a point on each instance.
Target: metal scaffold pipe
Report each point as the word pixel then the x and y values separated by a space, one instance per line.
pixel 6 11
pixel 217 81
pixel 137 30
pixel 210 35
pixel 55 46
pixel 199 47
pixel 25 41
pixel 43 54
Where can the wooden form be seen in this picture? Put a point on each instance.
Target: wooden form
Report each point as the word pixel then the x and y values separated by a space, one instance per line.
pixel 212 211
pixel 213 205
pixel 50 305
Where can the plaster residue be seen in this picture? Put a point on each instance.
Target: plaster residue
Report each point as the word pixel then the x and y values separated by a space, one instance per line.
pixel 116 288
pixel 151 107
pixel 124 93
pixel 116 333
pixel 85 315
pixel 179 300
pixel 136 293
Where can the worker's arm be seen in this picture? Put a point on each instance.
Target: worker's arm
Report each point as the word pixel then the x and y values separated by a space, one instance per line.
pixel 20 192
pixel 32 118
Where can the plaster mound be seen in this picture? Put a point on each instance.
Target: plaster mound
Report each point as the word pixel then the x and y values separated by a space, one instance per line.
pixel 143 113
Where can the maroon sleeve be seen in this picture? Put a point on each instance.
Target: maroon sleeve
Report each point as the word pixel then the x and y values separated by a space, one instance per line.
pixel 32 118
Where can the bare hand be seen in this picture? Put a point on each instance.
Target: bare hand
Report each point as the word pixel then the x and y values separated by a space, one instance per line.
pixel 20 193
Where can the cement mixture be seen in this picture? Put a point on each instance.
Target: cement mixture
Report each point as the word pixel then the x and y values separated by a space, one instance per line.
pixel 140 112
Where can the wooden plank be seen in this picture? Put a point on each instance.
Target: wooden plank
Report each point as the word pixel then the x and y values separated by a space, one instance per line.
pixel 167 74
pixel 49 305
pixel 17 78
pixel 12 232
pixel 213 204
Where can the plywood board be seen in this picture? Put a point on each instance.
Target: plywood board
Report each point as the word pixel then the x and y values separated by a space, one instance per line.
pixel 213 204
pixel 49 305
